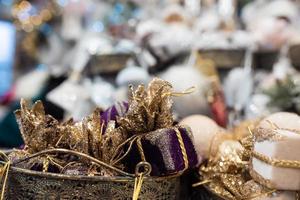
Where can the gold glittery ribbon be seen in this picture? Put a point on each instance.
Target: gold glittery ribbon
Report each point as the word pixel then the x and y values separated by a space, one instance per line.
pixel 139 177
pixel 183 150
pixel 4 173
pixel 180 94
pixel 140 147
pixel 273 162
pixel 276 162
pixel 137 186
pixel 185 92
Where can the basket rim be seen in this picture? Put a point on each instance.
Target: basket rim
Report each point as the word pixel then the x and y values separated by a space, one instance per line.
pixel 88 178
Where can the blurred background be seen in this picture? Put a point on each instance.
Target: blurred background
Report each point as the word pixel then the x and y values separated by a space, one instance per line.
pixel 242 56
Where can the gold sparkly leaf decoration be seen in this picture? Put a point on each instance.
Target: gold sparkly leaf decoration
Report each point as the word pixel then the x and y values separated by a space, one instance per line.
pixel 149 109
pixel 39 131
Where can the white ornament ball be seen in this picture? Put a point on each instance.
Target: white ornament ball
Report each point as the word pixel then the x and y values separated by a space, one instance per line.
pixel 182 78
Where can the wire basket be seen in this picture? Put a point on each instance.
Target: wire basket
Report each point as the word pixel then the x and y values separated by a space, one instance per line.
pixel 23 184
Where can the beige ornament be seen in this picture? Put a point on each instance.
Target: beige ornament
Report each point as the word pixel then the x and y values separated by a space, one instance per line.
pixel 204 130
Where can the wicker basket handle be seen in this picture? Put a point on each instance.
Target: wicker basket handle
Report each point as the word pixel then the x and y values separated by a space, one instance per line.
pixel 83 155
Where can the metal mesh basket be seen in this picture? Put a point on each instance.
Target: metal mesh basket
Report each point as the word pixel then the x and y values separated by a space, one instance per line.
pixel 27 184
